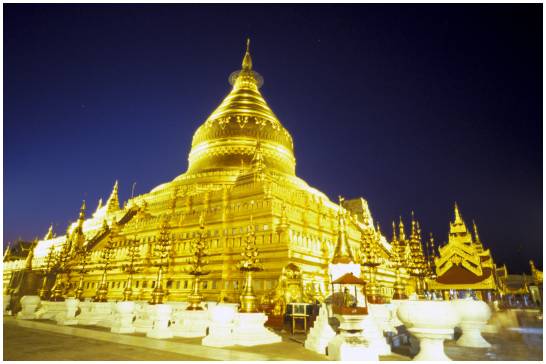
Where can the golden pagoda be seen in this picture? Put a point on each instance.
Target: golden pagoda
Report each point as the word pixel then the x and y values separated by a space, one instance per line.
pixel 241 164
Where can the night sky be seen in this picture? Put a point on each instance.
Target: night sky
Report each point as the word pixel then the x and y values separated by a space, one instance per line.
pixel 409 106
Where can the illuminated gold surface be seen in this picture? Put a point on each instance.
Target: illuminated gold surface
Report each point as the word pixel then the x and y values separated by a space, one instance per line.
pixel 241 164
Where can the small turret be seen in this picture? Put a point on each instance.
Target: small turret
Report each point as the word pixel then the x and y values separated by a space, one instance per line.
pixel 342 250
pixel 49 234
pixel 99 205
pixel 7 251
pixel 394 238
pixel 112 205
pixel 30 256
pixel 401 233
pixel 81 217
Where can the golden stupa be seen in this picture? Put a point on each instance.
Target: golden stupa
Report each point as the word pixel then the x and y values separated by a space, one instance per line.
pixel 241 171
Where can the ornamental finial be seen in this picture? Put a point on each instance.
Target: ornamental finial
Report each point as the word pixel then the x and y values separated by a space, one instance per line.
pixel 458 218
pixel 247 60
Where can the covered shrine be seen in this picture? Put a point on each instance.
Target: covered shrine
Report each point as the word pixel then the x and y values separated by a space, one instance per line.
pixel 463 264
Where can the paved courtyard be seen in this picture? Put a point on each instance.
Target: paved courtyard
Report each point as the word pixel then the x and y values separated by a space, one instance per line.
pixel 44 340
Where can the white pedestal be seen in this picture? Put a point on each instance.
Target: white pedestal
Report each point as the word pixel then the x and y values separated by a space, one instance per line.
pixel 29 306
pixel 382 314
pixel 49 310
pixel 7 299
pixel 350 348
pixel 491 328
pixel 177 306
pixel 249 330
pixel 220 335
pixel 145 315
pixel 374 336
pixel 191 324
pixel 107 312
pixel 431 322
pixel 68 317
pixel 161 329
pixel 221 326
pixel 93 313
pixel 123 318
pixel 349 344
pixel 474 316
pixel 472 335
pixel 321 333
pixel 86 312
pixel 393 319
pixel 431 342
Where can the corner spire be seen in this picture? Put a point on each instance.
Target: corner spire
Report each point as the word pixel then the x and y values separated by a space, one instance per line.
pixel 7 251
pixel 476 235
pixel 49 234
pixel 401 233
pixel 112 204
pixel 247 60
pixel 81 217
pixel 99 205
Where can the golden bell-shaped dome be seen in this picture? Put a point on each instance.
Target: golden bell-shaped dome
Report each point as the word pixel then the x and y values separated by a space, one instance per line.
pixel 228 137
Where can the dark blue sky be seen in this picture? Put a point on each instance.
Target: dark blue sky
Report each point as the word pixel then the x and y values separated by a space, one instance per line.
pixel 411 107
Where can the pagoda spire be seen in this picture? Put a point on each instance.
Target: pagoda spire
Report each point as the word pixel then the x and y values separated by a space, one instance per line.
pixel 112 205
pixel 81 217
pixel 413 225
pixel 394 238
pixel 458 226
pixel 401 234
pixel 99 205
pixel 458 218
pixel 30 256
pixel 342 250
pixel 49 234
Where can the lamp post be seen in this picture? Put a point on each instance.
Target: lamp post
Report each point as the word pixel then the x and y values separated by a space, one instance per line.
pixel 51 261
pixel 161 252
pixel 62 267
pixel 198 261
pixel 83 253
pixel 130 268
pixel 106 257
pixel 248 265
